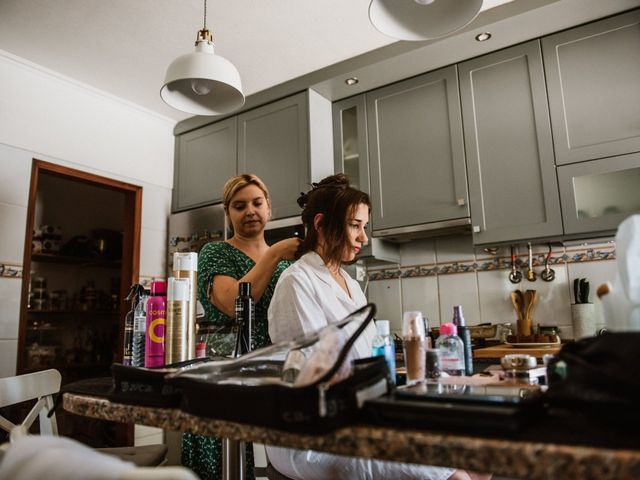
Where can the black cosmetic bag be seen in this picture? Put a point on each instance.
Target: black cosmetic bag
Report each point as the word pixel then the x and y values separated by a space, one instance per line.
pixel 250 389
pixel 148 386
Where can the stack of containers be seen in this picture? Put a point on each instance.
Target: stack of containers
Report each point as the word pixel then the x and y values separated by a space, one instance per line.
pixel 181 318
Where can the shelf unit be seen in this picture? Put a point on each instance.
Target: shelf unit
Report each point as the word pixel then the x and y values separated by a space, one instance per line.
pixel 82 334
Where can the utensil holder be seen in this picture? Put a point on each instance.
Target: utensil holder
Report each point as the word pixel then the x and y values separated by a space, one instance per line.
pixel 583 319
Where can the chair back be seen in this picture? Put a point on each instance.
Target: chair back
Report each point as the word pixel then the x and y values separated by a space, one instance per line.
pixel 40 386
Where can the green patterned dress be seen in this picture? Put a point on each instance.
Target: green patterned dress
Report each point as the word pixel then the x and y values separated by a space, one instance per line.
pixel 200 453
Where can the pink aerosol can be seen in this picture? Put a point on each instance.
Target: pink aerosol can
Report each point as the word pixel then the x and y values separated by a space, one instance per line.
pixel 156 319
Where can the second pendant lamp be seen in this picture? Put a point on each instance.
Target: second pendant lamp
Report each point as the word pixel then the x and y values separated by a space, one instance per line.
pixel 422 19
pixel 201 82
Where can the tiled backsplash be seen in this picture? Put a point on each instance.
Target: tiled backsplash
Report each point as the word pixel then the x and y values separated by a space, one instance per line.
pixel 436 274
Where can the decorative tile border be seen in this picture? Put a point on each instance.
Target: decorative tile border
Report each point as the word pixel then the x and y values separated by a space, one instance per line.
pixel 10 271
pixel 498 263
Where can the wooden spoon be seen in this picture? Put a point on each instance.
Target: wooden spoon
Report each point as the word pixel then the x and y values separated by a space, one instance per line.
pixel 530 298
pixel 518 304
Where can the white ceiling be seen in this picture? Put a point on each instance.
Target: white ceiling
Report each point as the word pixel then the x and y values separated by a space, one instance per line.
pixel 123 47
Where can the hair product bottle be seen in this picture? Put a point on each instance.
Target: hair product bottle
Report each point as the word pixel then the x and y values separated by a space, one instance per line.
pixel 156 317
pixel 176 332
pixel 245 314
pixel 465 335
pixel 139 329
pixel 383 346
pixel 185 265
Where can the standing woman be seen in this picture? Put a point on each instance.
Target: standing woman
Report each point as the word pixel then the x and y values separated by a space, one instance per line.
pixel 245 257
pixel 315 292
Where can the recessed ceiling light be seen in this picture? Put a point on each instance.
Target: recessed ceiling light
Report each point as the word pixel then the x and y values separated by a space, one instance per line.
pixel 351 81
pixel 483 37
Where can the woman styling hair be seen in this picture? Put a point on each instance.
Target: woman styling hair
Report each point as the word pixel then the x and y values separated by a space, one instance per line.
pixel 315 292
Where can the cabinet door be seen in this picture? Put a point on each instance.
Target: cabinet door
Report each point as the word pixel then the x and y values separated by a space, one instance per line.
pixel 351 155
pixel 512 182
pixel 596 196
pixel 417 152
pixel 273 143
pixel 593 75
pixel 205 159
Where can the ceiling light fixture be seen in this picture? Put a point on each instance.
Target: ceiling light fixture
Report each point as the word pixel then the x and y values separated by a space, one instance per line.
pixel 422 19
pixel 201 82
pixel 483 37
pixel 351 81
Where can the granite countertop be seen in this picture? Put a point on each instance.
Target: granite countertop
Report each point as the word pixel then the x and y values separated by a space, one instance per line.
pixel 504 457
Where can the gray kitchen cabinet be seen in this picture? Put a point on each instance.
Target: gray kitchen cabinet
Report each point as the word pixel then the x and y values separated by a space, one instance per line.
pixel 416 154
pixel 351 156
pixel 510 163
pixel 350 150
pixel 593 76
pixel 597 195
pixel 288 144
pixel 205 159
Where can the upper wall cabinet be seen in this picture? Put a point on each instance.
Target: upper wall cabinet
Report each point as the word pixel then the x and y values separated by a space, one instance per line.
pixel 288 144
pixel 416 150
pixel 205 159
pixel 593 75
pixel 598 195
pixel 512 179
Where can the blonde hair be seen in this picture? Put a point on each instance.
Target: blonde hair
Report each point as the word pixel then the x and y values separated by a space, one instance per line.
pixel 237 183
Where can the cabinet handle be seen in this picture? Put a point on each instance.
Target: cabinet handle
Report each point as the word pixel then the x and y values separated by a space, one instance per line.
pixel 461 202
pixel 476 229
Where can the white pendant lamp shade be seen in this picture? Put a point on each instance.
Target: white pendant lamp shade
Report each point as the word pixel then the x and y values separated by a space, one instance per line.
pixel 422 19
pixel 203 83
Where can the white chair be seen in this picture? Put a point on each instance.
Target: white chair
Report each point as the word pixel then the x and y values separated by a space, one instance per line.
pixel 42 386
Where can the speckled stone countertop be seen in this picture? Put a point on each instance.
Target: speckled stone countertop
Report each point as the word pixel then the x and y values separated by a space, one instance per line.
pixel 504 457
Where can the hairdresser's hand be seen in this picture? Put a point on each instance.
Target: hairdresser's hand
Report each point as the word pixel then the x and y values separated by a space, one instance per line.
pixel 286 249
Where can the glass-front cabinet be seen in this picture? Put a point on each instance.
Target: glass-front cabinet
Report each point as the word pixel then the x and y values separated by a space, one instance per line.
pixel 351 156
pixel 596 196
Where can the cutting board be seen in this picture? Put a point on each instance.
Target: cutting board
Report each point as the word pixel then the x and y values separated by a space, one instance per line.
pixel 499 351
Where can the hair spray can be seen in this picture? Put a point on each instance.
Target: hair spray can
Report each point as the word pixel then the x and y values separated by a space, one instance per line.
pixel 185 265
pixel 176 334
pixel 156 316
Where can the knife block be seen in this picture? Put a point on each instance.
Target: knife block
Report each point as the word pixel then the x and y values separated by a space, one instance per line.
pixel 583 320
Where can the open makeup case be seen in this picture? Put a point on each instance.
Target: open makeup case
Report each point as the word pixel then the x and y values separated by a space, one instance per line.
pixel 259 387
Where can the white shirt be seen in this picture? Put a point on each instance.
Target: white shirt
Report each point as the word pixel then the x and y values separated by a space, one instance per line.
pixel 307 298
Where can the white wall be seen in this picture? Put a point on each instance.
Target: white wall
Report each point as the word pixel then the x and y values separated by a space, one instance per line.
pixel 56 119
pixel 436 274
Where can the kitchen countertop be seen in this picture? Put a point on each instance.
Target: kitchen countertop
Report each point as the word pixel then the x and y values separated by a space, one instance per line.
pixel 498 351
pixel 533 460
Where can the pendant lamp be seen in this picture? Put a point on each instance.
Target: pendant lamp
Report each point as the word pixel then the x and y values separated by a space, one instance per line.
pixel 201 82
pixel 422 19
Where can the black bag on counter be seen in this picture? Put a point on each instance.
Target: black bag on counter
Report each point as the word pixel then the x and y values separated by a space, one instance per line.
pixel 250 389
pixel 147 386
pixel 599 374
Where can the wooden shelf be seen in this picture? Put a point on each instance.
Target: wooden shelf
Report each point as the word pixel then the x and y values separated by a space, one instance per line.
pixel 68 260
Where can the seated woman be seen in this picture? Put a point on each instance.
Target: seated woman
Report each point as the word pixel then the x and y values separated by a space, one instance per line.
pixel 315 292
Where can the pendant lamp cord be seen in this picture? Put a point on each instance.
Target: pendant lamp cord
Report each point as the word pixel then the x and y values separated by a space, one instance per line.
pixel 205 15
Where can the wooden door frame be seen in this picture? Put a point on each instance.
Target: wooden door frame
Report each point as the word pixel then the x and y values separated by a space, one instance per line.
pixel 130 269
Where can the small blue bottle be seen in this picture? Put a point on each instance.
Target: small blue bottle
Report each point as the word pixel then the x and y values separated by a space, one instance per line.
pixel 383 347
